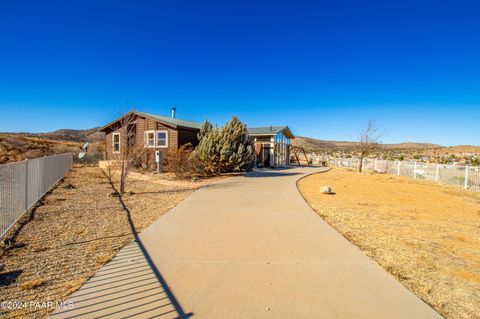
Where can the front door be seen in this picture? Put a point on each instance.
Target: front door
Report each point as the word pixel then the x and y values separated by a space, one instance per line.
pixel 265 157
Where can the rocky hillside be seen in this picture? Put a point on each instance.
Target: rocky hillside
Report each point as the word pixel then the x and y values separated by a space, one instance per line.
pixel 19 146
pixel 88 135
pixel 312 144
pixel 427 152
pixel 15 147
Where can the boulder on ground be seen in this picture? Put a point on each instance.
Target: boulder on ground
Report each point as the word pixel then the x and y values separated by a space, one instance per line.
pixel 326 190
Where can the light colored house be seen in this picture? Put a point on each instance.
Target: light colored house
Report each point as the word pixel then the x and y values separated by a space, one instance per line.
pixel 272 145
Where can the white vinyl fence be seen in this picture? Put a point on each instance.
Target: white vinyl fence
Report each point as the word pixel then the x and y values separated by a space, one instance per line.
pixel 23 183
pixel 467 177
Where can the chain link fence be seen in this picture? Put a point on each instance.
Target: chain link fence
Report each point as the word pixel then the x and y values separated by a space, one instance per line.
pixel 467 177
pixel 23 183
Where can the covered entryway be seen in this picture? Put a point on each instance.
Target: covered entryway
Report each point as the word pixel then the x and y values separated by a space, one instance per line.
pixel 264 155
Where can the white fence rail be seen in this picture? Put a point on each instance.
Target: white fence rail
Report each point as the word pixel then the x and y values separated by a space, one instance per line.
pixel 22 184
pixel 467 177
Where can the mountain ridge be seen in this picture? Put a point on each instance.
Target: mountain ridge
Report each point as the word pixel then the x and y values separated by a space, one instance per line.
pixel 312 143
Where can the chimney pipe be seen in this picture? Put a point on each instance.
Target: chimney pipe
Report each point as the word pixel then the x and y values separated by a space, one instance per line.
pixel 174 110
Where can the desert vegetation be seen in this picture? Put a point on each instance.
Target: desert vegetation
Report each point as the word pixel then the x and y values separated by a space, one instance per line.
pixel 17 147
pixel 424 234
pixel 220 150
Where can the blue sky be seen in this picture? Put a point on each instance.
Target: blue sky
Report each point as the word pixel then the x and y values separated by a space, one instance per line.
pixel 322 67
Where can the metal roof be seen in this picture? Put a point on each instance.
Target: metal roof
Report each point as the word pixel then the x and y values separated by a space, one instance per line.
pixel 270 130
pixel 264 130
pixel 173 121
pixel 164 119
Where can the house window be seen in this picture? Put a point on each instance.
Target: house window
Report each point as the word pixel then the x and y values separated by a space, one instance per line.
pixel 116 142
pixel 162 138
pixel 149 138
pixel 156 139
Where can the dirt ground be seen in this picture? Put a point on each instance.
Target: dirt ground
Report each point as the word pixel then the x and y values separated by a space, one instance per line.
pixel 77 230
pixel 425 234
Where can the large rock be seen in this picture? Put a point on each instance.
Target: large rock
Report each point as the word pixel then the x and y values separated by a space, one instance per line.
pixel 326 190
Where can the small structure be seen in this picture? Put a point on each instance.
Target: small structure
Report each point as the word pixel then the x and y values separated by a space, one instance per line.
pixel 272 145
pixel 155 132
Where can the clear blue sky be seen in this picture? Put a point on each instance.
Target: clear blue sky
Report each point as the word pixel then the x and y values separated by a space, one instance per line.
pixel 322 67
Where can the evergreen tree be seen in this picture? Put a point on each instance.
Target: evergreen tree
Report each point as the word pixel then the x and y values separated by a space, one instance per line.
pixel 237 150
pixel 227 149
pixel 206 128
pixel 207 150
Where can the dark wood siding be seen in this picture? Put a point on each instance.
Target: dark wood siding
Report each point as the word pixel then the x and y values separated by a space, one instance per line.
pixel 176 137
pixel 187 136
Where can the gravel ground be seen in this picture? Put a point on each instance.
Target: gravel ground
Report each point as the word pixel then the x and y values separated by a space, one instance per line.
pixel 74 232
pixel 425 234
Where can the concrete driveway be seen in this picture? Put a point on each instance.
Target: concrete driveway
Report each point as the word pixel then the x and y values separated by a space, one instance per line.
pixel 247 247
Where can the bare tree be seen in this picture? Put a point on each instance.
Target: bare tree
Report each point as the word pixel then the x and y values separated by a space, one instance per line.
pixel 368 140
pixel 131 154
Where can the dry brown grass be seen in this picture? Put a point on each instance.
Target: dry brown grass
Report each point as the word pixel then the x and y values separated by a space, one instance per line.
pixel 425 234
pixel 32 284
pixel 78 230
pixel 15 148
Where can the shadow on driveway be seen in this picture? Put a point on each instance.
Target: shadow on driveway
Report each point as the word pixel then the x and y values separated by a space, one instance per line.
pixel 129 286
pixel 278 171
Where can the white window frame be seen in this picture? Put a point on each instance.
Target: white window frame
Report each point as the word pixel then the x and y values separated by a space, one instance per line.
pixel 157 139
pixel 113 142
pixel 146 139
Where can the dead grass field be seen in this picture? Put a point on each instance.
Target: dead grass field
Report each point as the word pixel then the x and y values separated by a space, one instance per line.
pixel 425 234
pixel 78 230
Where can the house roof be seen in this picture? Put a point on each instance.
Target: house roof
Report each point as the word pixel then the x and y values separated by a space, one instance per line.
pixel 270 130
pixel 173 121
pixel 163 119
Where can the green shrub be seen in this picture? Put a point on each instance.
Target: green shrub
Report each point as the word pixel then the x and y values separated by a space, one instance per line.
pixel 228 149
pixel 475 162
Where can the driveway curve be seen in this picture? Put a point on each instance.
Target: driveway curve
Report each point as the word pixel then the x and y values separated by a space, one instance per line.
pixel 247 247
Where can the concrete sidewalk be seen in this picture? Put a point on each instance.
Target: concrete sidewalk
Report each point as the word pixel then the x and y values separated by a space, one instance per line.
pixel 248 247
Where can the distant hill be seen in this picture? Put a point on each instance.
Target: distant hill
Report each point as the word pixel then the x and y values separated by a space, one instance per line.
pixel 312 144
pixel 459 149
pixel 19 146
pixel 88 135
